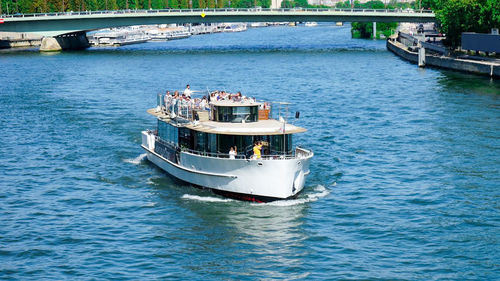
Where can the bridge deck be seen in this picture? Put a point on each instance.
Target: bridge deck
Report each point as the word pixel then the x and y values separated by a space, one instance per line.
pixel 53 24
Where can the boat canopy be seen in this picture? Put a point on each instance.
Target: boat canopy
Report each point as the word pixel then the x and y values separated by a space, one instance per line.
pixel 262 127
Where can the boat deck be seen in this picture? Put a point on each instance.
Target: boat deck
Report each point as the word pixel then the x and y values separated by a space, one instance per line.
pixel 262 127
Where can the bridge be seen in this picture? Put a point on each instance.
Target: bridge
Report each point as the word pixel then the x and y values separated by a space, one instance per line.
pixel 73 25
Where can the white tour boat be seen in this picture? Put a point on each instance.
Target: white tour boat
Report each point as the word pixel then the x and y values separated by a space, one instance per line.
pixel 194 138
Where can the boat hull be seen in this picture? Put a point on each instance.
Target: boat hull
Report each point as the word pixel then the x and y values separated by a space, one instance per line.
pixel 245 179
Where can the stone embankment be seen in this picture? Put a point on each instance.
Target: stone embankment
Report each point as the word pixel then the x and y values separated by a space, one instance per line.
pixel 15 40
pixel 489 67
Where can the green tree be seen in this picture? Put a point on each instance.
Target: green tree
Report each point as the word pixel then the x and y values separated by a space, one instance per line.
pixel 174 4
pixel 245 4
pixel 91 5
pixel 457 16
pixel 286 4
pixel 343 5
pixel 365 29
pixel 264 3
pixel 301 3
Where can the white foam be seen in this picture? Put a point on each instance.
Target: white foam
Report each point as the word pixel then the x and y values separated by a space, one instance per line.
pixel 320 192
pixel 137 160
pixel 205 198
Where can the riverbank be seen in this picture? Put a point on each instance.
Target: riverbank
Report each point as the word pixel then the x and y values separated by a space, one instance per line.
pixel 489 67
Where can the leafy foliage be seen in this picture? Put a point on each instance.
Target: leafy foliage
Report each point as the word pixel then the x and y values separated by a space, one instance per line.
pixel 365 29
pixel 457 16
pixel 294 3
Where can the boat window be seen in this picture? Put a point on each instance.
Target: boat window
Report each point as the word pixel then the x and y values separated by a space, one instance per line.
pixel 162 129
pixel 173 135
pixel 243 143
pixel 200 141
pixel 168 132
pixel 212 143
pixel 236 114
pixel 281 144
pixel 185 138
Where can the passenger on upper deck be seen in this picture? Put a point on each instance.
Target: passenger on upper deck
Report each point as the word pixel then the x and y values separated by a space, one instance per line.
pixel 166 99
pixel 188 91
pixel 237 97
pixel 203 103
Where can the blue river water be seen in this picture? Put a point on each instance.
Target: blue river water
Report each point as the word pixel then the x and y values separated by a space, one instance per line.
pixel 404 184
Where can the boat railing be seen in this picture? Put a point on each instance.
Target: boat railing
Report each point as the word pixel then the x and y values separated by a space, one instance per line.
pixel 199 109
pixel 180 107
pixel 212 154
pixel 242 156
pixel 298 153
pixel 301 152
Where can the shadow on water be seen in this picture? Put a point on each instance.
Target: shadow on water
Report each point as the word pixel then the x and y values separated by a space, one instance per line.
pixel 467 83
pixel 236 237
pixel 244 237
pixel 228 236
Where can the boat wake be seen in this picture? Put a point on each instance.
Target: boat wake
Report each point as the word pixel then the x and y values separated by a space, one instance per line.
pixel 137 160
pixel 319 192
pixel 205 198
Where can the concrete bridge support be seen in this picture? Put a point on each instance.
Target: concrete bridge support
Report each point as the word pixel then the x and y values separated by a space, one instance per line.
pixel 72 41
pixel 421 57
pixel 374 30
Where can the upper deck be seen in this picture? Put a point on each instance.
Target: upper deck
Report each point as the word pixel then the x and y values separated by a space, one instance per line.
pixel 226 114
pixel 261 127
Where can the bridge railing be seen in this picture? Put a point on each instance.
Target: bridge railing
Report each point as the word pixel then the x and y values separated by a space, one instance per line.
pixel 83 13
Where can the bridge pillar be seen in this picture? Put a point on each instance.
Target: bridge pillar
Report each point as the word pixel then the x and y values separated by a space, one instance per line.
pixel 72 41
pixel 374 30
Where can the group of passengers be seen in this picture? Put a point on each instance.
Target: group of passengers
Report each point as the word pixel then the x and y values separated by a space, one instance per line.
pixel 257 150
pixel 174 100
pixel 223 95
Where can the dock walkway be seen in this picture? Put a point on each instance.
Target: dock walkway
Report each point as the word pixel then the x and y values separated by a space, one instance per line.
pixel 469 64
